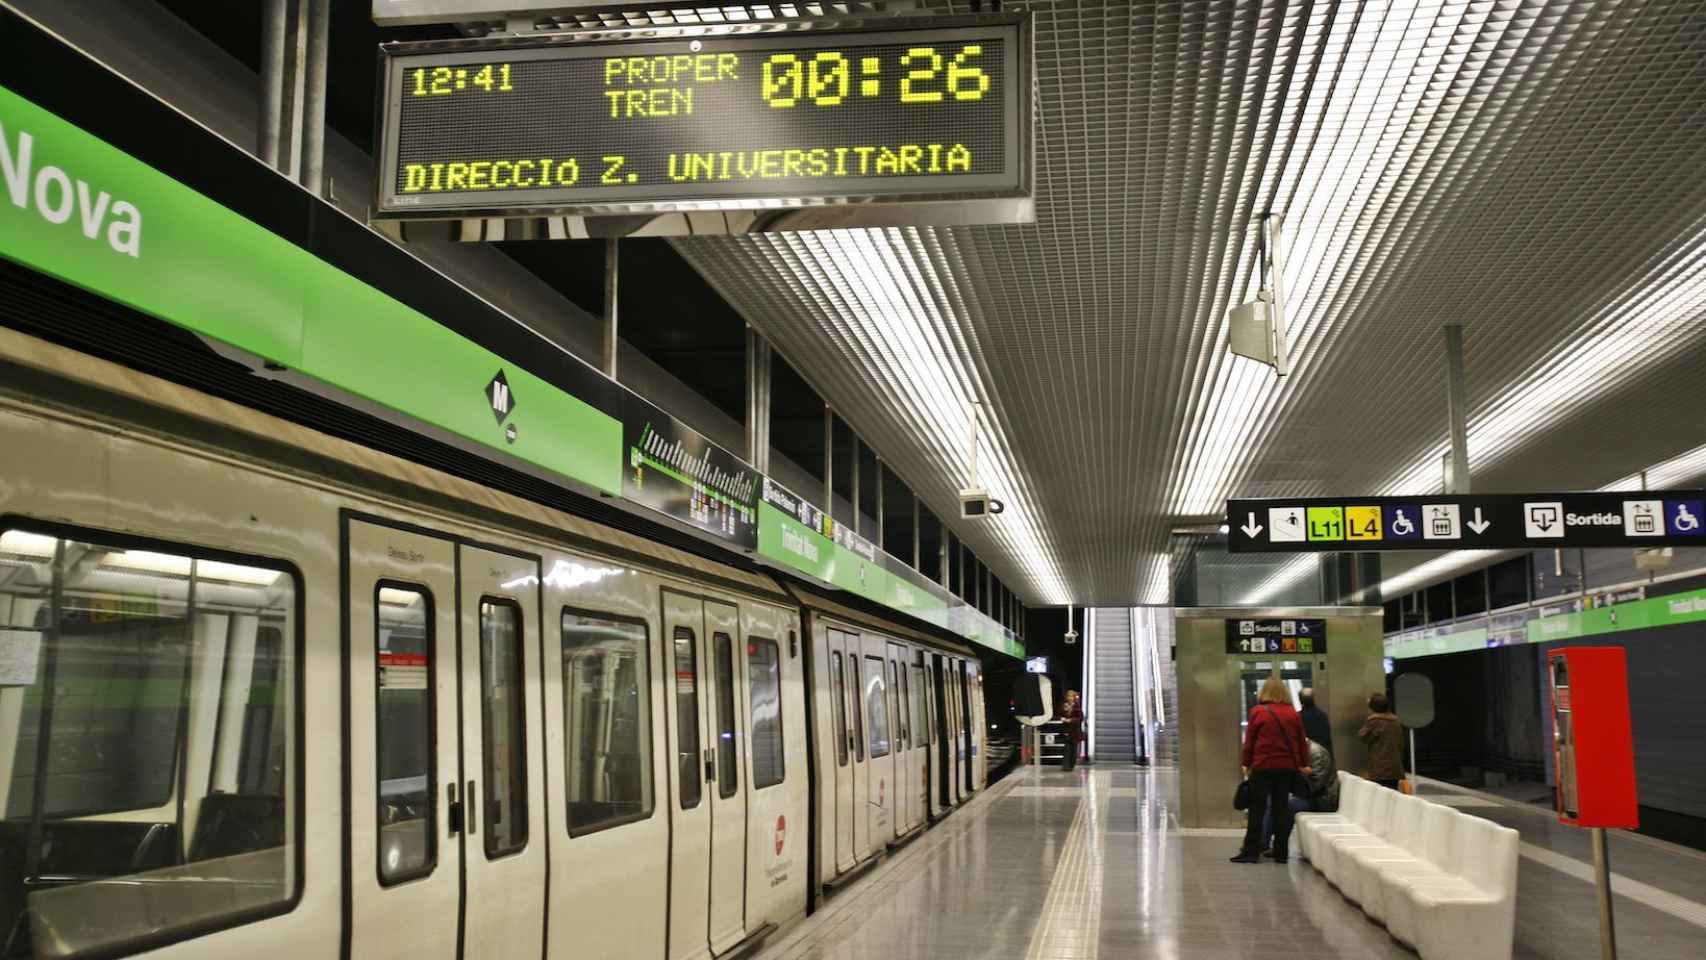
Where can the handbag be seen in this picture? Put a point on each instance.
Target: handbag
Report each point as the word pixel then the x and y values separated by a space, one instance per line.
pixel 1241 796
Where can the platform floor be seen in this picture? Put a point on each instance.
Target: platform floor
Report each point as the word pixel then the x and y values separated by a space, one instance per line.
pixel 1069 866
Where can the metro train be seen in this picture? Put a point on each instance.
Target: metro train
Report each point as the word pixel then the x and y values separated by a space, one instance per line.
pixel 265 692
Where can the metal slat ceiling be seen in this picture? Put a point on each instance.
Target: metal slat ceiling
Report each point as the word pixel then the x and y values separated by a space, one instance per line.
pixel 1531 170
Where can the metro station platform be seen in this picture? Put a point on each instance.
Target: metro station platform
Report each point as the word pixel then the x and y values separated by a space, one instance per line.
pixel 1048 865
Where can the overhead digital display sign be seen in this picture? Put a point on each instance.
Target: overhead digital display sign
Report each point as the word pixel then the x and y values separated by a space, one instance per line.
pixel 748 116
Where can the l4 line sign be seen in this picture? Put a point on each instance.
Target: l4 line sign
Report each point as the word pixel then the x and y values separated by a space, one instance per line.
pixel 1648 518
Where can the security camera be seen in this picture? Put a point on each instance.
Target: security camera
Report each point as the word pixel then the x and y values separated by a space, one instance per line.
pixel 976 503
pixel 1071 636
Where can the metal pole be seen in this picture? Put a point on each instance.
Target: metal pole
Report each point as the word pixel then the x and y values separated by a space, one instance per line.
pixel 858 504
pixel 272 82
pixel 612 274
pixel 1456 410
pixel 1276 257
pixel 917 560
pixel 314 98
pixel 829 461
pixel 1413 752
pixel 882 521
pixel 1602 892
pixel 757 400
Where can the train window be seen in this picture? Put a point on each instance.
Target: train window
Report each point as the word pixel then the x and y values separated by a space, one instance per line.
pixel 607 708
pixel 142 683
pixel 838 706
pixel 764 675
pixel 503 715
pixel 904 702
pixel 728 758
pixel 406 740
pixel 687 717
pixel 876 707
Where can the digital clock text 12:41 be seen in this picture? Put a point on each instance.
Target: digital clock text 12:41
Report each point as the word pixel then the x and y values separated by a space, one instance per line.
pixel 444 81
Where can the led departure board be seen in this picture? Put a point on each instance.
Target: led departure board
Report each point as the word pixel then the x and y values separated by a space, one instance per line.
pixel 721 117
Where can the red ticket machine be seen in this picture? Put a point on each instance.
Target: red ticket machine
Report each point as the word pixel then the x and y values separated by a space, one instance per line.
pixel 1591 739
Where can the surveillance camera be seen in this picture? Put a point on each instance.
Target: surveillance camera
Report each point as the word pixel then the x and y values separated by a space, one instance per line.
pixel 1071 636
pixel 976 503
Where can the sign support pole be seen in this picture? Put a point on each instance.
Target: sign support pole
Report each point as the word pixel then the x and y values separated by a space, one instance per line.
pixel 1602 892
pixel 1414 773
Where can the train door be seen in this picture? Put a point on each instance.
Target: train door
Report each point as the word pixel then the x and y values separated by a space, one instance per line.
pixel 707 894
pixel 920 753
pixel 879 743
pixel 858 716
pixel 841 673
pixel 404 771
pixel 957 701
pixel 968 730
pixel 941 782
pixel 901 723
pixel 503 788
pixel 728 805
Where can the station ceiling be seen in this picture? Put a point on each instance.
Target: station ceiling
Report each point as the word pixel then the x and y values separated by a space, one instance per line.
pixel 1529 170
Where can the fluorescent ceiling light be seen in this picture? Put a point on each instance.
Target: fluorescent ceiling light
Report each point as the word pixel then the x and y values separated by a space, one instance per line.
pixel 22 543
pixel 148 561
pixel 885 292
pixel 391 596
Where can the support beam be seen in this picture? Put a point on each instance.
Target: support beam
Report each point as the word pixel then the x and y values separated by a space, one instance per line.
pixel 858 502
pixel 829 461
pixel 314 97
pixel 882 521
pixel 758 367
pixel 612 270
pixel 942 553
pixel 917 560
pixel 1456 411
pixel 284 50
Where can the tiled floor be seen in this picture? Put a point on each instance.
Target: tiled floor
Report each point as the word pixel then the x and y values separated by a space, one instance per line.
pixel 1057 866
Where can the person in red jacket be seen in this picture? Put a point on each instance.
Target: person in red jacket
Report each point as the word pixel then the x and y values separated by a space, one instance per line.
pixel 1275 751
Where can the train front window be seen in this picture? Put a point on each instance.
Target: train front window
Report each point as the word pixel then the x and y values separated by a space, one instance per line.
pixel 876 707
pixel 838 706
pixel 728 758
pixel 687 717
pixel 503 707
pixel 147 746
pixel 607 707
pixel 764 674
pixel 404 740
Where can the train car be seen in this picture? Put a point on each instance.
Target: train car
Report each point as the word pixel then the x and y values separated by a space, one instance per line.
pixel 265 692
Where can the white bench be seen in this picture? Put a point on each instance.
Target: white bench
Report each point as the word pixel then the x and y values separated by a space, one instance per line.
pixel 1442 881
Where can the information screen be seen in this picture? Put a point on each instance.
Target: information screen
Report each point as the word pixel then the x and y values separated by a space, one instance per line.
pixel 786 118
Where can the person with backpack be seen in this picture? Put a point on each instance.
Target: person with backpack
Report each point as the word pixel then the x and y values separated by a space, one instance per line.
pixel 1275 752
pixel 1385 738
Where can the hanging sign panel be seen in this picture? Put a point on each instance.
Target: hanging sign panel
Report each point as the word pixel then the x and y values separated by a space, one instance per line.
pixel 741 116
pixel 1276 636
pixel 1494 521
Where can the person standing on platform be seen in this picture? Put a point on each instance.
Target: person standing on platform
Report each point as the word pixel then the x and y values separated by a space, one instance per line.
pixel 1385 738
pixel 1072 714
pixel 1315 722
pixel 1275 751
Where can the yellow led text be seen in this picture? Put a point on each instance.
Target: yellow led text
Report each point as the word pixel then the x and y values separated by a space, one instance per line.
pixel 662 86
pixel 909 159
pixel 490 175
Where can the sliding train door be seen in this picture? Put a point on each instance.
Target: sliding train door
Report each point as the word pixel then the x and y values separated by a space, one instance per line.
pixel 707 899
pixel 503 789
pixel 918 755
pixel 879 742
pixel 847 753
pixel 899 734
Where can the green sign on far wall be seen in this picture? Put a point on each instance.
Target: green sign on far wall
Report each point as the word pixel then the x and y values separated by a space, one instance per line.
pixel 79 209
pixel 1666 611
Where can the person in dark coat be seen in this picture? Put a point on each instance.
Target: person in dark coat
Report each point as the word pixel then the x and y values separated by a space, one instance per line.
pixel 1315 722
pixel 1072 714
pixel 1275 751
pixel 1385 738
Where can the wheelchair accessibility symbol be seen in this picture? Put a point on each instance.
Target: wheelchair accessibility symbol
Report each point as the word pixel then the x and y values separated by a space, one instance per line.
pixel 1682 517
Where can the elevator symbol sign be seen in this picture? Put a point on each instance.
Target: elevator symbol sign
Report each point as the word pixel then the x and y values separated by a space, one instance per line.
pixel 1642 518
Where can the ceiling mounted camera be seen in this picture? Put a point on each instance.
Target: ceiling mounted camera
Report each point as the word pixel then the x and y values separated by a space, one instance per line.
pixel 976 504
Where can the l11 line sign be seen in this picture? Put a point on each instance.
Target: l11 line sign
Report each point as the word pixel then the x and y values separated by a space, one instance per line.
pixel 1647 518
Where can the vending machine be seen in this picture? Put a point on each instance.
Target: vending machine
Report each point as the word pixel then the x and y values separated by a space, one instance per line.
pixel 1592 743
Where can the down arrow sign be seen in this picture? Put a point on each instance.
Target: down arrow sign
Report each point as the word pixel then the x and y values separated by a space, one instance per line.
pixel 1251 527
pixel 1478 524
